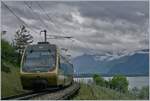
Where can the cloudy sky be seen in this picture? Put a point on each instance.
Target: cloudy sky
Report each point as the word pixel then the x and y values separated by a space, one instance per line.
pixel 100 27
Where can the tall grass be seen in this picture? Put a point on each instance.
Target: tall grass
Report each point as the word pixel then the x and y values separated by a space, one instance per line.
pixel 10 82
pixel 95 92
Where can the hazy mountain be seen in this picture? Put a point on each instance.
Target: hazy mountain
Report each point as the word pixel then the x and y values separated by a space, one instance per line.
pixel 135 63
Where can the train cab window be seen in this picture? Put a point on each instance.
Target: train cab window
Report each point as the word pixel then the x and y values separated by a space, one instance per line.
pixel 41 61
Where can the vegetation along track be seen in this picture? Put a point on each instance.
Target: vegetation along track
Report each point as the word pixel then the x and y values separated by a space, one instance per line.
pixel 48 94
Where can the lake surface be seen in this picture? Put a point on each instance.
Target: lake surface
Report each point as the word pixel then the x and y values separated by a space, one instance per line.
pixel 138 82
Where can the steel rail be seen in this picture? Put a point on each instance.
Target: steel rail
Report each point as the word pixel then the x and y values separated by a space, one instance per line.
pixel 64 94
pixel 30 94
pixel 43 92
pixel 70 94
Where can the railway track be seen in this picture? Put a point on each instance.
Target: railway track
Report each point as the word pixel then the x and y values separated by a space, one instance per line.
pixel 48 94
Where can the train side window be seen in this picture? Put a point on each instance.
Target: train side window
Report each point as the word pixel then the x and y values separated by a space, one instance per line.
pixel 66 66
pixel 62 64
pixel 59 62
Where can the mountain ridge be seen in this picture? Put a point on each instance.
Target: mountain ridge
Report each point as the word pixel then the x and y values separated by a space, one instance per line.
pixel 137 63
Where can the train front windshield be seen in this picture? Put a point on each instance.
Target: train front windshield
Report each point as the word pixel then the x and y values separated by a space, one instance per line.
pixel 39 61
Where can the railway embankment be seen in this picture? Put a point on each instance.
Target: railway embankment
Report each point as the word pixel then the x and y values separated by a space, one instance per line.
pixel 94 92
pixel 63 93
pixel 10 81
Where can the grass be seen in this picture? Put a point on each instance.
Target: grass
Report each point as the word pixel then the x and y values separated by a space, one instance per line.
pixel 94 92
pixel 10 82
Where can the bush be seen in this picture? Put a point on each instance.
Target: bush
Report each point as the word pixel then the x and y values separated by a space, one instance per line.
pixel 5 67
pixel 8 54
pixel 120 83
pixel 134 91
pixel 99 80
pixel 7 50
pixel 144 93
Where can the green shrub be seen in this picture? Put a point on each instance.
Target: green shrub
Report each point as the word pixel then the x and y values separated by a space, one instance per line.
pixel 134 91
pixel 144 93
pixel 120 83
pixel 7 50
pixel 99 80
pixel 5 67
pixel 8 54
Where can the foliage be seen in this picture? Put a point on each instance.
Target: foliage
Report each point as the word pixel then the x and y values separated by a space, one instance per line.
pixel 96 92
pixel 144 93
pixel 8 53
pixel 120 83
pixel 134 91
pixel 22 39
pixel 5 67
pixel 7 49
pixel 99 80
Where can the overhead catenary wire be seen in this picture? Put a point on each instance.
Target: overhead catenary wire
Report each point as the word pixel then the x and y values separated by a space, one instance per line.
pixel 50 19
pixel 33 16
pixel 57 26
pixel 17 16
pixel 45 12
pixel 30 7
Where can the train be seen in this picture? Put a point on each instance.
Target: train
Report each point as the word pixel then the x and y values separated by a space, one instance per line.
pixel 43 66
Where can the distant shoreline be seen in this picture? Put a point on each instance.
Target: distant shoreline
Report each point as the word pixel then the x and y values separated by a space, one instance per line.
pixel 106 75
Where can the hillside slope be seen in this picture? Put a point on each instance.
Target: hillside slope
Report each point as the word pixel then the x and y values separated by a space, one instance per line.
pixel 10 77
pixel 10 82
pixel 94 92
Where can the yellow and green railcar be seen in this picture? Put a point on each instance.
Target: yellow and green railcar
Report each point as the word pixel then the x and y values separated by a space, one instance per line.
pixel 42 66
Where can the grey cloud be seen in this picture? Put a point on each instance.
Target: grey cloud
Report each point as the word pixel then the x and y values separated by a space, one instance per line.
pixel 117 10
pixel 97 27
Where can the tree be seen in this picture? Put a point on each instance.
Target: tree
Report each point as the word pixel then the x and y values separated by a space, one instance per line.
pixel 22 39
pixel 120 83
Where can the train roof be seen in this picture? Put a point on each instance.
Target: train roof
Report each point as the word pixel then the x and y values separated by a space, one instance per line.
pixel 42 46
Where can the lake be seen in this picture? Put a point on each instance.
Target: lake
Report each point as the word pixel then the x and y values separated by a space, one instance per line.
pixel 138 82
